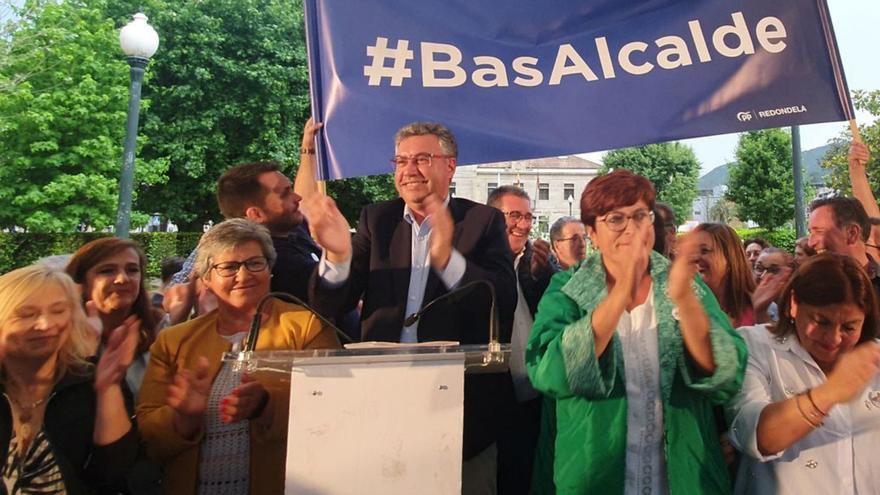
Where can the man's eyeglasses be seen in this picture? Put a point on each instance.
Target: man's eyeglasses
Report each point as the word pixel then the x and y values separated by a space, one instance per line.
pixel 617 221
pixel 761 269
pixel 420 159
pixel 516 216
pixel 582 238
pixel 231 268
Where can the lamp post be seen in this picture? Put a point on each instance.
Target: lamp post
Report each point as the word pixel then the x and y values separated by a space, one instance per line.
pixel 570 202
pixel 139 42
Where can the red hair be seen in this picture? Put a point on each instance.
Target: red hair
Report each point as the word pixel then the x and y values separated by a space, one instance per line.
pixel 614 190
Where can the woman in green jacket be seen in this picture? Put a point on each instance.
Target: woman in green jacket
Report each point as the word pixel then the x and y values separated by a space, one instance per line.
pixel 636 351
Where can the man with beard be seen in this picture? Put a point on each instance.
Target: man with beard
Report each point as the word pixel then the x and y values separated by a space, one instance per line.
pixel 260 192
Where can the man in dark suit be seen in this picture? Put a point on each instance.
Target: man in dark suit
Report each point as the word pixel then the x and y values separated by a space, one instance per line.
pixel 409 251
pixel 516 444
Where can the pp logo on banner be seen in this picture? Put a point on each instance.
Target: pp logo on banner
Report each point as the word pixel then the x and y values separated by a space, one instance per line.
pixel 744 116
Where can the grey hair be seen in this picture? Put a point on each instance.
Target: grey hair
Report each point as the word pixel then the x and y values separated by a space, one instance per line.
pixel 558 225
pixel 773 250
pixel 227 235
pixel 447 140
pixel 499 192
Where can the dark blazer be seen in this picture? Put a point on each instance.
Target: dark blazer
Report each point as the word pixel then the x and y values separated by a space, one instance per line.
pixel 380 272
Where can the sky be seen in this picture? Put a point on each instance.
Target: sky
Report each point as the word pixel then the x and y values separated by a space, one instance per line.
pixel 857 28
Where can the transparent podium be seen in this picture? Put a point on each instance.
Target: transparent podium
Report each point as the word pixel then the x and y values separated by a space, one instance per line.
pixel 374 419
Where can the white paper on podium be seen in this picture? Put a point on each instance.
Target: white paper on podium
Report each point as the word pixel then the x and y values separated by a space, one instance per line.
pixel 380 427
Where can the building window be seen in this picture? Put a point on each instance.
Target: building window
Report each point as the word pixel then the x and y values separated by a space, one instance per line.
pixel 518 184
pixel 452 189
pixel 489 188
pixel 543 225
pixel 567 191
pixel 543 191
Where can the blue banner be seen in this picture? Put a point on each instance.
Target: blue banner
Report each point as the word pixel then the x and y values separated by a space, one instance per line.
pixel 519 79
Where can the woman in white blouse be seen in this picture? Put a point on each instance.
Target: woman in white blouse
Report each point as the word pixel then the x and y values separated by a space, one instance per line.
pixel 808 416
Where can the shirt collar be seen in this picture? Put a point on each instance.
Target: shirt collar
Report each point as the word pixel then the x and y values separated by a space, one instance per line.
pixel 408 214
pixel 790 343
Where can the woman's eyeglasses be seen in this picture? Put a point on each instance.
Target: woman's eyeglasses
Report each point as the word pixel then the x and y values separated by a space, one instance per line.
pixel 230 268
pixel 617 221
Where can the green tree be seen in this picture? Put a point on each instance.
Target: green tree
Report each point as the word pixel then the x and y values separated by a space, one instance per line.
pixel 352 194
pixel 761 182
pixel 836 160
pixel 672 167
pixel 62 127
pixel 15 17
pixel 229 85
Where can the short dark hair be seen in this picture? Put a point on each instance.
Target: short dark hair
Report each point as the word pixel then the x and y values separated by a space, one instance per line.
pixel 756 240
pixel 614 190
pixel 830 278
pixel 846 211
pixel 169 266
pixel 239 188
pixel 499 192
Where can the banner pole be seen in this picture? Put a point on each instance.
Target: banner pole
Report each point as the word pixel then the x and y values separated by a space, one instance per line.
pixel 310 14
pixel 854 129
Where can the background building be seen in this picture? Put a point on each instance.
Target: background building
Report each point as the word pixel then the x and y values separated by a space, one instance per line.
pixel 555 184
pixel 713 185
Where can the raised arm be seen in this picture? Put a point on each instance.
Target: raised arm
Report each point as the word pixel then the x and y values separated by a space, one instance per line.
pixel 858 159
pixel 693 321
pixel 305 183
pixel 111 416
pixel 628 278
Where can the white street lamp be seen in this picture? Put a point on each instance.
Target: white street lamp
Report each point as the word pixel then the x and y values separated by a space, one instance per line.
pixel 139 42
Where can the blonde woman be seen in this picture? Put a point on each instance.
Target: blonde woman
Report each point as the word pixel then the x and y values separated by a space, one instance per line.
pixel 64 424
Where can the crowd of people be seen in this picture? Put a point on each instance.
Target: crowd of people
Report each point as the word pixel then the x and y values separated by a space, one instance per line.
pixel 642 361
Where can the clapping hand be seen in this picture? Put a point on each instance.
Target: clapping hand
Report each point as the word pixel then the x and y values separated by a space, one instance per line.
pixel 540 258
pixel 770 288
pixel 684 268
pixel 118 354
pixel 853 372
pixel 244 401
pixel 634 260
pixel 96 326
pixel 442 231
pixel 188 396
pixel 328 227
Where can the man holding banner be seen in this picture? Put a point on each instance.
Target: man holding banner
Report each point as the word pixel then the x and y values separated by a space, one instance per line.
pixel 411 251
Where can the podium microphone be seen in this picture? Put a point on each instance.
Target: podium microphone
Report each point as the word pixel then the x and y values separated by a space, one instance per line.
pixel 458 294
pixel 251 341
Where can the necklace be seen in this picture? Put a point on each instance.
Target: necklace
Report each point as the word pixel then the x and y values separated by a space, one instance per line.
pixel 26 415
pixel 26 409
